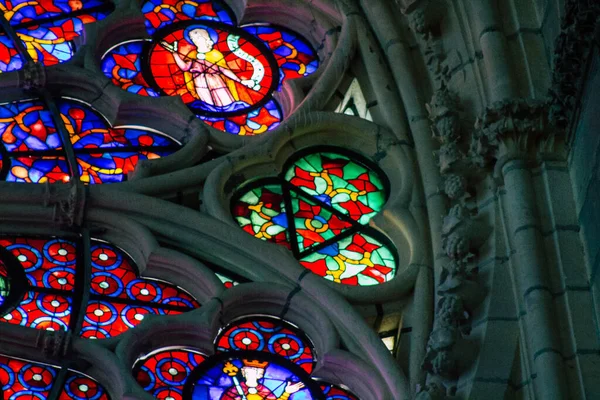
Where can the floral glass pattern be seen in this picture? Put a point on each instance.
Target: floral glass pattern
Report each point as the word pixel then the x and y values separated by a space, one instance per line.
pixel 163 373
pixel 48 284
pixel 319 208
pixel 33 145
pixel 257 357
pixel 271 335
pixel 226 75
pixel 21 379
pixel 44 29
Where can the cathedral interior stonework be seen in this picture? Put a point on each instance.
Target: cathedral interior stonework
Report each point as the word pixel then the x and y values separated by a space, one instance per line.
pixel 299 199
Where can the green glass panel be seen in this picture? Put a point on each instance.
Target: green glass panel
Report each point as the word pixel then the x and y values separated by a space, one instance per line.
pixel 334 179
pixel 261 212
pixel 358 260
pixel 314 224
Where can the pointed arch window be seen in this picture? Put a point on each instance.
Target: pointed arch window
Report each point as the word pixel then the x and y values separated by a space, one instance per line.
pixel 22 379
pixel 319 208
pixel 43 31
pixel 354 102
pixel 48 276
pixel 262 355
pixel 58 140
pixel 225 74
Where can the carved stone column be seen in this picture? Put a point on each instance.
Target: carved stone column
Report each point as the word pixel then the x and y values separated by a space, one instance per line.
pixel 511 132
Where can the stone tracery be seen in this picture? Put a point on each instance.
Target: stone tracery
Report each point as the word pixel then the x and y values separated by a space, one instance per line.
pixel 447 231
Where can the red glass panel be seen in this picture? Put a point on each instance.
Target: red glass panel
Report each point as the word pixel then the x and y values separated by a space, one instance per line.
pixel 213 70
pixel 78 386
pixel 24 380
pixel 48 263
pixel 163 373
pixel 41 311
pixel 105 319
pixel 333 392
pixel 268 335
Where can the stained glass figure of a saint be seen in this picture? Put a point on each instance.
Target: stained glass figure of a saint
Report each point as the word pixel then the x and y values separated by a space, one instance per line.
pixel 250 378
pixel 226 75
pixel 216 69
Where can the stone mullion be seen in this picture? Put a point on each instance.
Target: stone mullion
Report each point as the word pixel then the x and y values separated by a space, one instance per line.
pixel 59 383
pixel 533 288
pixel 64 135
pixel 85 271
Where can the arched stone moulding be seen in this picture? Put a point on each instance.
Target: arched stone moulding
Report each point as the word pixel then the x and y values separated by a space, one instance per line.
pixel 363 137
pixel 199 328
pixel 331 47
pixel 151 260
pixel 208 238
pixel 136 240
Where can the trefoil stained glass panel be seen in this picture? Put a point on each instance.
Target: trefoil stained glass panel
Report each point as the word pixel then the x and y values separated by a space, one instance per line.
pixel 319 208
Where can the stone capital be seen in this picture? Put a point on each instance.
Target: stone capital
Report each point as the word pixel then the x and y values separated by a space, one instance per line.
pixel 511 129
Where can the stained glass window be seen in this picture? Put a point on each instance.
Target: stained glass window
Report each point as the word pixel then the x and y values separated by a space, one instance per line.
pixel 226 75
pixel 257 358
pixel 227 281
pixel 271 335
pixel 333 392
pixel 160 13
pixel 21 379
pixel 354 102
pixel 251 375
pixel 319 208
pixel 42 31
pixel 33 142
pixel 47 286
pixel 163 373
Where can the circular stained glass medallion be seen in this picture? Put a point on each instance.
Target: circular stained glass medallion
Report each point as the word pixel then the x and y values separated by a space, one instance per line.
pixel 250 375
pixel 218 70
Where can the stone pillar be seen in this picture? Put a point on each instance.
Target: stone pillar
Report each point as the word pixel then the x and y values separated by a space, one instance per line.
pixel 510 132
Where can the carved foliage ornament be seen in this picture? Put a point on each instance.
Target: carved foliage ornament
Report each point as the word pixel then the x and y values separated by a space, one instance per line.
pixel 571 53
pixel 508 127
